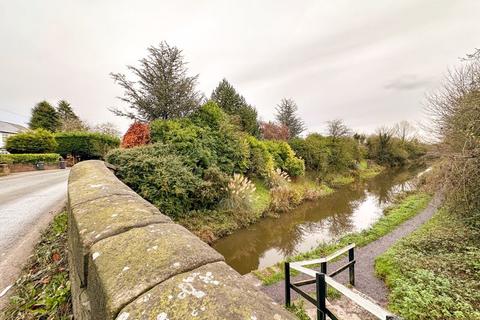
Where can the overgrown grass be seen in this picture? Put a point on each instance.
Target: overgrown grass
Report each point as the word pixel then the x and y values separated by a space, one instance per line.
pixel 43 289
pixel 399 212
pixel 435 272
pixel 365 170
pixel 298 309
pixel 368 170
pixel 341 180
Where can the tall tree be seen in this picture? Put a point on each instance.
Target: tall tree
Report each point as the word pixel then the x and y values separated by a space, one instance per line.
pixel 107 128
pixel 337 128
pixel 287 115
pixel 162 90
pixel 44 116
pixel 405 131
pixel 65 111
pixel 69 121
pixel 235 104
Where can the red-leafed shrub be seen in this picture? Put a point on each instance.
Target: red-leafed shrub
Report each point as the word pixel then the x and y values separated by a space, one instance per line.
pixel 274 131
pixel 137 135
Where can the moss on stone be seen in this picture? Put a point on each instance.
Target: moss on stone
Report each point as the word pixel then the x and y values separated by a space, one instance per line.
pixel 124 266
pixel 214 291
pixel 91 180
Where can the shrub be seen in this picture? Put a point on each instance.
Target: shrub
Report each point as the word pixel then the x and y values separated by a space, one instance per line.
pixel 261 162
pixel 285 159
pixel 389 150
pixel 210 115
pixel 314 151
pixel 202 145
pixel 278 178
pixel 86 145
pixel 214 187
pixel 145 169
pixel 159 176
pixel 34 141
pixel 240 193
pixel 342 153
pixel 29 158
pixel 137 135
pixel 295 166
pixel 284 198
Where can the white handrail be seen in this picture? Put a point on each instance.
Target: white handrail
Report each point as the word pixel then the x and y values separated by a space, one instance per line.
pixel 327 258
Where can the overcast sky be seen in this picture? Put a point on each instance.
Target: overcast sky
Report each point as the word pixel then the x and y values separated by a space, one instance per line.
pixel 367 62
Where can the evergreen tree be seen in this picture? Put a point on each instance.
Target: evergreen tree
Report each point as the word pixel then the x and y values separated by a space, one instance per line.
pixel 65 111
pixel 69 121
pixel 44 116
pixel 163 89
pixel 234 104
pixel 287 115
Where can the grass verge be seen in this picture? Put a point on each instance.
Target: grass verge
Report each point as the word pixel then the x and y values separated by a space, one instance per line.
pixel 43 289
pixel 435 272
pixel 214 224
pixel 402 210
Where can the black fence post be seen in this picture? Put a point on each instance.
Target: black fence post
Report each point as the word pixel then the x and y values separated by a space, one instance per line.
pixel 321 296
pixel 287 284
pixel 351 268
pixel 323 267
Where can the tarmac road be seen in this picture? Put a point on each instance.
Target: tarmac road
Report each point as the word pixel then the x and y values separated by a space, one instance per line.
pixel 28 201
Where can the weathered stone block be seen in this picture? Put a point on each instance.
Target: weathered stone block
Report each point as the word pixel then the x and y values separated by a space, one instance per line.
pixel 124 266
pixel 101 218
pixel 79 296
pixel 214 291
pixel 90 180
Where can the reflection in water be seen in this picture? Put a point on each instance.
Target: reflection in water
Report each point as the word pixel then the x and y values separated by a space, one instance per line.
pixel 351 208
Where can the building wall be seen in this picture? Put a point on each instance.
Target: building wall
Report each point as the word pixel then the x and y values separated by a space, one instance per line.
pixel 3 139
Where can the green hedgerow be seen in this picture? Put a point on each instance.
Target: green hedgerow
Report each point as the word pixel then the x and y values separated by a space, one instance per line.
pixel 29 158
pixel 33 141
pixel 86 145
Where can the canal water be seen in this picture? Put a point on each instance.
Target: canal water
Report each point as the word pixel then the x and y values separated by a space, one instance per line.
pixel 350 208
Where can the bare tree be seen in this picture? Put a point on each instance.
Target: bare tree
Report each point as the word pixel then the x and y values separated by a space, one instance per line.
pixel 107 128
pixel 455 110
pixel 337 129
pixel 405 131
pixel 444 103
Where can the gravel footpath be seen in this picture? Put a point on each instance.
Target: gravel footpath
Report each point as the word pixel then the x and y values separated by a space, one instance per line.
pixel 365 279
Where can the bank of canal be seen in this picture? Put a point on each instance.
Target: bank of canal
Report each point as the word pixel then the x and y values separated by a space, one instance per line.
pixel 350 208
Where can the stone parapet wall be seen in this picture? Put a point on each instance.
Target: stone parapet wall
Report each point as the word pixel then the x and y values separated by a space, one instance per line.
pixel 129 261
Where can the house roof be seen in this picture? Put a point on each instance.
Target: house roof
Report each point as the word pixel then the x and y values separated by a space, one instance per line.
pixel 11 127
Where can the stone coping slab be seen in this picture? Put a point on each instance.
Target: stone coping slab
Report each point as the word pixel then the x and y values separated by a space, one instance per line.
pixel 92 180
pixel 211 292
pixel 101 218
pixel 124 266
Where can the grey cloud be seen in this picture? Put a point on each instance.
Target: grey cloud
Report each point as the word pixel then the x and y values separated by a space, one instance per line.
pixel 408 82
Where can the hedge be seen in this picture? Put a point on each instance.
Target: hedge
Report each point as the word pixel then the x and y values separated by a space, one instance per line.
pixel 32 141
pixel 86 145
pixel 29 158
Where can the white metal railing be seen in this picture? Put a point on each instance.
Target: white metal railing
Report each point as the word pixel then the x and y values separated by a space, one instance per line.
pixel 321 279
